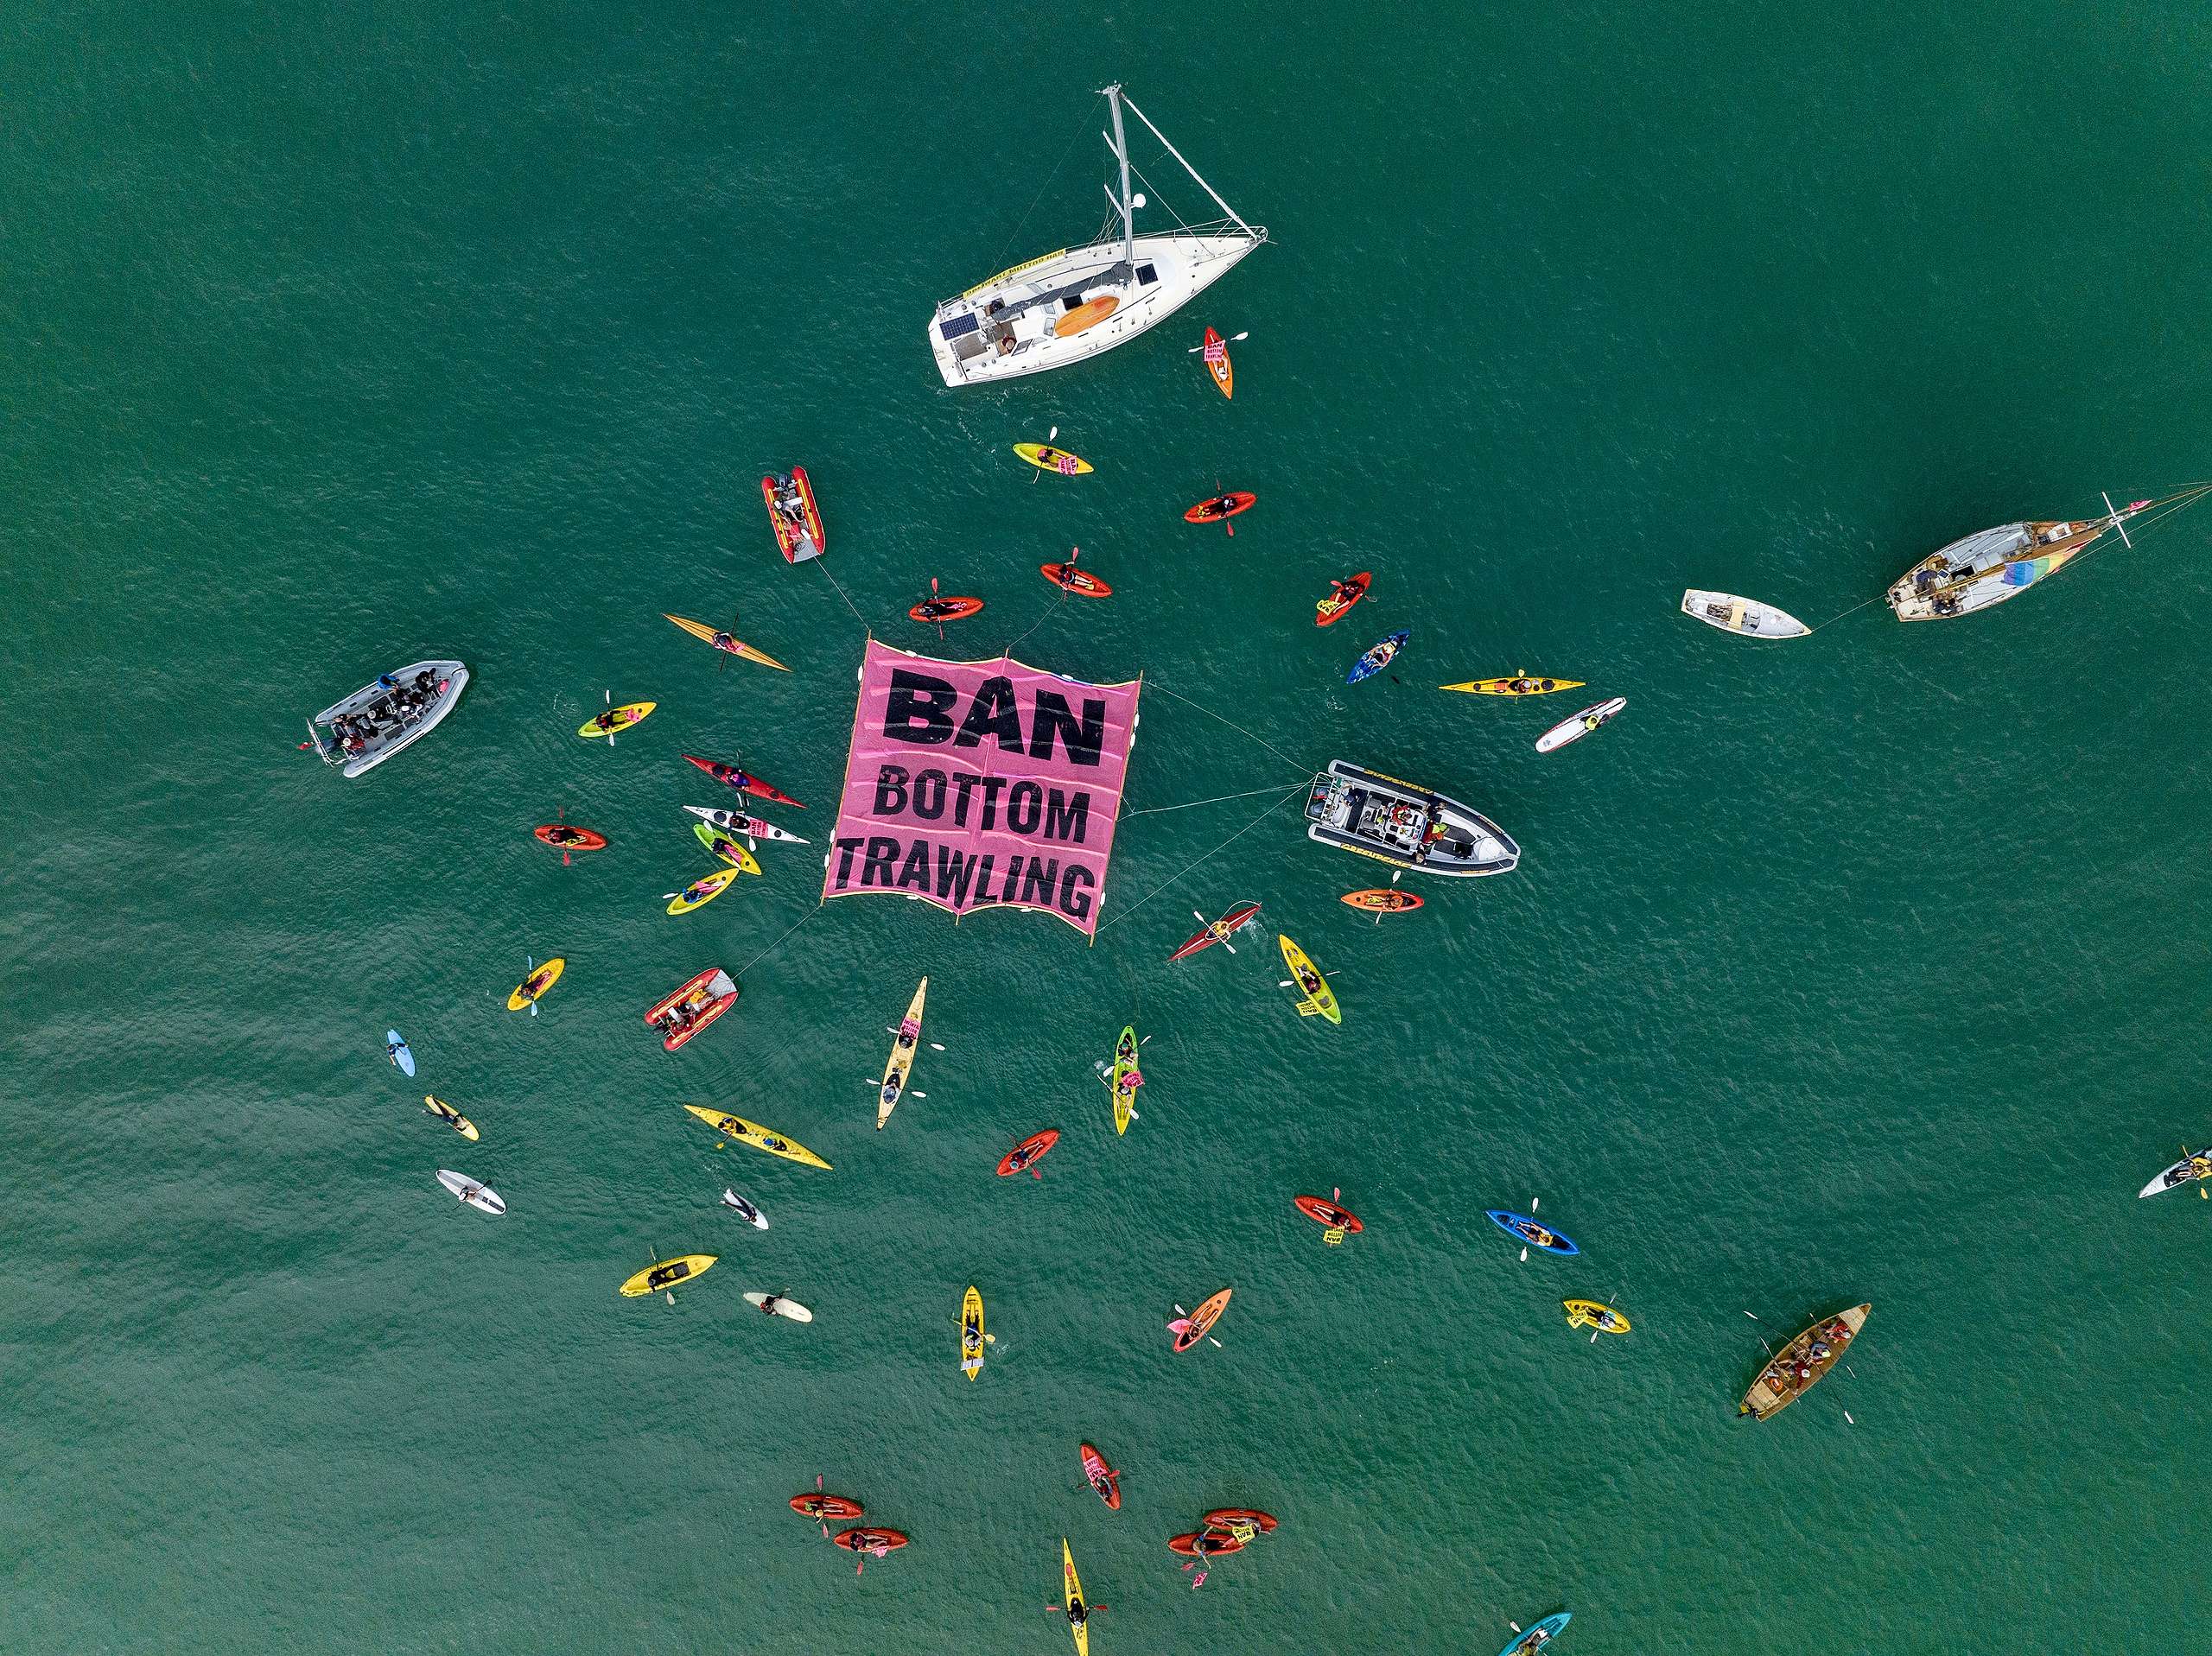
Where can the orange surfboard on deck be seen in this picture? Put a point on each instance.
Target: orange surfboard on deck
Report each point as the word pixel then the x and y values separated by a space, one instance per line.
pixel 1089 315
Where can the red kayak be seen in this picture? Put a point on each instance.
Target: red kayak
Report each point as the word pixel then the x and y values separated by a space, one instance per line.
pixel 1347 594
pixel 563 837
pixel 693 1006
pixel 1221 1517
pixel 1069 579
pixel 1327 1213
pixel 1221 506
pixel 935 611
pixel 1218 931
pixel 1030 1149
pixel 737 778
pixel 1103 1478
pixel 863 1539
pixel 1207 1544
pixel 827 1507
pixel 1382 900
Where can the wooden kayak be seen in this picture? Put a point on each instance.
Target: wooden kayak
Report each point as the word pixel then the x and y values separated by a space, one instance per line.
pixel 723 642
pixel 1087 315
pixel 1799 1366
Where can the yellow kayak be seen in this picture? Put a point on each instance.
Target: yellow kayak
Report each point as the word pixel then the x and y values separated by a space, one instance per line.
pixel 1519 684
pixel 452 1117
pixel 533 987
pixel 703 890
pixel 1318 997
pixel 901 1064
pixel 1078 1624
pixel 752 1133
pixel 1125 1064
pixel 614 719
pixel 725 848
pixel 666 1274
pixel 1046 458
pixel 971 1332
pixel 1589 1314
pixel 723 642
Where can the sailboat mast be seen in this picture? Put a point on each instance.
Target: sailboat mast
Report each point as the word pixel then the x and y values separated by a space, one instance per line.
pixel 1122 153
pixel 1257 235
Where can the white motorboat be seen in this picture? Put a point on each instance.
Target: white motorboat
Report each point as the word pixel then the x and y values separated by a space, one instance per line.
pixel 1069 305
pixel 1404 824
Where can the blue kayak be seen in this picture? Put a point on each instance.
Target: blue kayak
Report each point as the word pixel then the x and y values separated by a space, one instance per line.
pixel 1538 1636
pixel 1530 1232
pixel 396 1049
pixel 1377 658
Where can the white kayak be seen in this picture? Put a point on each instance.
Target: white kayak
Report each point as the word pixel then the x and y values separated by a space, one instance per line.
pixel 738 823
pixel 746 1210
pixel 1574 729
pixel 2188 1169
pixel 476 1194
pixel 780 1306
pixel 1741 616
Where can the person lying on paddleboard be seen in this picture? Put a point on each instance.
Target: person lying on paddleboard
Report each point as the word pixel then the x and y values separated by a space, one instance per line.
pixel 769 1302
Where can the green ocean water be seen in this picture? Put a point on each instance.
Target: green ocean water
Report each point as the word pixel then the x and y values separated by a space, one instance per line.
pixel 1859 968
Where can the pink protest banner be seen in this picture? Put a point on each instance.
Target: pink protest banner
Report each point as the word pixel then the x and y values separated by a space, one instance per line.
pixel 975 784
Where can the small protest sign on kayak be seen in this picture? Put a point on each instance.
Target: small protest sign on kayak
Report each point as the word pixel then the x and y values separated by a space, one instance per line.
pixel 982 784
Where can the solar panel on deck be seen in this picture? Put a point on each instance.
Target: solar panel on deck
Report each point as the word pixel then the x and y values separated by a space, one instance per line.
pixel 959 325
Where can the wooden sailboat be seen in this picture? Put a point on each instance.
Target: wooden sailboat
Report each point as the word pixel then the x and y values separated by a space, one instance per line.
pixel 1992 565
pixel 1069 305
pixel 1799 1366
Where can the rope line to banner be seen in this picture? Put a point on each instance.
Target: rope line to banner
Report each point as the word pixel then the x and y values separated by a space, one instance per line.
pixel 1288 795
pixel 1310 769
pixel 1154 810
pixel 840 591
pixel 779 943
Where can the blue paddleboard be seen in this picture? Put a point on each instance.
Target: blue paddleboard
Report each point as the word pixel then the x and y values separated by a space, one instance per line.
pixel 1368 667
pixel 1548 1628
pixel 396 1049
pixel 1529 1231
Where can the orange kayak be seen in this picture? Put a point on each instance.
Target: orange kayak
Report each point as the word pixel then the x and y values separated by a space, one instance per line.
pixel 1217 361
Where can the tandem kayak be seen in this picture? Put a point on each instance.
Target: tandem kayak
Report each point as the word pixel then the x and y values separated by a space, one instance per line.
pixel 1125 1079
pixel 1519 684
pixel 1574 729
pixel 1216 931
pixel 900 1065
pixel 742 780
pixel 1220 506
pixel 1529 1231
pixel 1379 655
pixel 752 1133
pixel 1347 593
pixel 1024 1156
pixel 723 642
pixel 727 849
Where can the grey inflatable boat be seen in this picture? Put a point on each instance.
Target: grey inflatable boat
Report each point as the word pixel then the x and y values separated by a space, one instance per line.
pixel 379 719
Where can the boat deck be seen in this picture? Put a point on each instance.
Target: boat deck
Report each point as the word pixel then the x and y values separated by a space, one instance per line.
pixel 380 718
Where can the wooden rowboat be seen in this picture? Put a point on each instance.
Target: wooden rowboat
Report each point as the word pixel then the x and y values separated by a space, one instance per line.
pixel 1798 1366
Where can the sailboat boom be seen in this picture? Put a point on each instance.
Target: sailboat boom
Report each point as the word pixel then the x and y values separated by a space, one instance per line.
pixel 1178 154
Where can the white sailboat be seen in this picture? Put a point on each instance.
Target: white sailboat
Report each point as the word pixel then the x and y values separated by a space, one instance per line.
pixel 1078 301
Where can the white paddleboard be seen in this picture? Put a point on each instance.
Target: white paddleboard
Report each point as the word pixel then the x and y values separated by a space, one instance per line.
pixel 477 1194
pixel 759 1220
pixel 2174 1177
pixel 740 823
pixel 1741 616
pixel 396 1049
pixel 1574 729
pixel 790 1308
